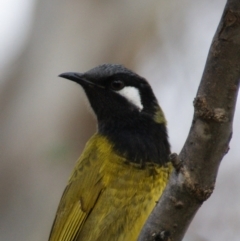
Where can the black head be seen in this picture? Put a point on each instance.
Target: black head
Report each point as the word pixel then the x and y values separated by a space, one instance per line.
pixel 123 102
pixel 115 91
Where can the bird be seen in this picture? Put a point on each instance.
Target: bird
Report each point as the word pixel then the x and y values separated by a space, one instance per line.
pixel 125 165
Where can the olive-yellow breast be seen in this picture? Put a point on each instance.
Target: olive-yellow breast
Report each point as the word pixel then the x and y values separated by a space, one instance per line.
pixel 124 167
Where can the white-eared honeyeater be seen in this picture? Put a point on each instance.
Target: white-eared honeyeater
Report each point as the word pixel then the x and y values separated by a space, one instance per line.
pixel 124 167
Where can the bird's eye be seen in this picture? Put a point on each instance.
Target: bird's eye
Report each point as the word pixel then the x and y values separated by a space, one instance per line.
pixel 117 85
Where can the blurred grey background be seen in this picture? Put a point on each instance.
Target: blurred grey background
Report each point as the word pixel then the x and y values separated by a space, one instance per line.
pixel 45 122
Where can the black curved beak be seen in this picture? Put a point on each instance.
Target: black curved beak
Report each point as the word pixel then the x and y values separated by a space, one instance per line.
pixel 78 78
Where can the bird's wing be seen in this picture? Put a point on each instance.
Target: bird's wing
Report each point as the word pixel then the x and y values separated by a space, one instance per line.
pixel 79 198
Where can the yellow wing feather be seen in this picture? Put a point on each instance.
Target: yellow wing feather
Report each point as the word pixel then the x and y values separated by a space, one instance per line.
pixel 107 199
pixel 80 195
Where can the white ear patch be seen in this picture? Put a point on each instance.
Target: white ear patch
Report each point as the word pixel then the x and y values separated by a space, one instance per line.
pixel 132 95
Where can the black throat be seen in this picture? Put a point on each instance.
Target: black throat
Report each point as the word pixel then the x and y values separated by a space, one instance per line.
pixel 138 138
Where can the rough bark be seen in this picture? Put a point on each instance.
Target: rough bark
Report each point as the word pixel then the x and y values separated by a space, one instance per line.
pixel 197 165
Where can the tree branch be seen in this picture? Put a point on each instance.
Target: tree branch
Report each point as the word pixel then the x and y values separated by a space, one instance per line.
pixel 196 167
